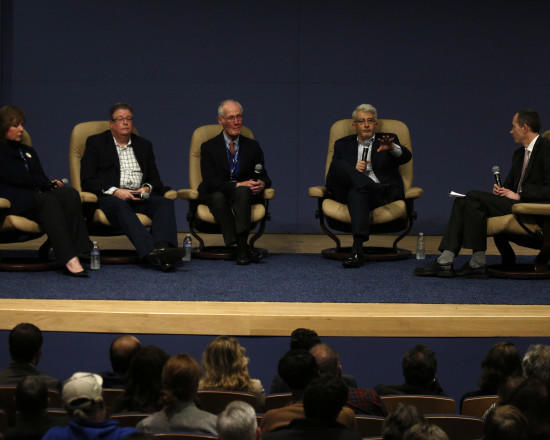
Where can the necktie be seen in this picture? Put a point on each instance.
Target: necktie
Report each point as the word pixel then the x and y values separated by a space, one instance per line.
pixel 525 162
pixel 232 147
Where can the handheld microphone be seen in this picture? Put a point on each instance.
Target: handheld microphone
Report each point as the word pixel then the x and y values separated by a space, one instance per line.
pixel 258 168
pixel 365 153
pixel 52 185
pixel 496 172
pixel 142 196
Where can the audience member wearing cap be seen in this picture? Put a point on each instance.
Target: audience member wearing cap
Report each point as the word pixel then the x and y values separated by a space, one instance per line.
pixel 83 400
pixel 25 345
pixel 180 381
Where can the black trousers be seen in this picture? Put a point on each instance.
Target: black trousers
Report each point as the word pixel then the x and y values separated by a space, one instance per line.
pixel 360 193
pixel 232 212
pixel 59 213
pixel 467 226
pixel 122 215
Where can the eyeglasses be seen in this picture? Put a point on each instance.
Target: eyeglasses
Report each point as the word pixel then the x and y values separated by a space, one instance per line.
pixel 119 120
pixel 367 121
pixel 234 118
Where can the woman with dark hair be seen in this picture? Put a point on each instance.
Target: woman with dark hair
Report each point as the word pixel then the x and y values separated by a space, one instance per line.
pixel 180 381
pixel 144 385
pixel 501 362
pixel 56 208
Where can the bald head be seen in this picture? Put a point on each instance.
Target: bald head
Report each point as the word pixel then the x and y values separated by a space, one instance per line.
pixel 327 359
pixel 122 350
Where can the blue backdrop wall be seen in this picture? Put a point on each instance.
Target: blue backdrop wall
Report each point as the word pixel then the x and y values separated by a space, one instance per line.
pixel 455 72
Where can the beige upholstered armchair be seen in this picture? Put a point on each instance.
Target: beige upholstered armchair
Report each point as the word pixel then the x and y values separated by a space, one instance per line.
pixel 97 221
pixel 16 228
pixel 393 217
pixel 528 226
pixel 199 216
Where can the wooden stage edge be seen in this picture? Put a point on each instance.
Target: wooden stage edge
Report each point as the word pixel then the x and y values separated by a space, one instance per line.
pixel 279 319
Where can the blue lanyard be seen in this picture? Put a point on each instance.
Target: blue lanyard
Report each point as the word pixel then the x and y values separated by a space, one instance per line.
pixel 24 159
pixel 233 161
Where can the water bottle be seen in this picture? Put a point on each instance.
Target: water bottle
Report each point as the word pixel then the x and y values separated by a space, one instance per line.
pixel 95 257
pixel 420 250
pixel 187 247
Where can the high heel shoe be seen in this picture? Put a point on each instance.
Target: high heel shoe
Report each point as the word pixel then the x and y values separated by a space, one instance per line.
pixel 82 274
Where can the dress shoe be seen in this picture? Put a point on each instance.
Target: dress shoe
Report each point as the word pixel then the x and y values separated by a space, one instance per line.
pixel 468 271
pixel 167 267
pixel 164 257
pixel 81 274
pixel 356 259
pixel 254 255
pixel 434 269
pixel 243 257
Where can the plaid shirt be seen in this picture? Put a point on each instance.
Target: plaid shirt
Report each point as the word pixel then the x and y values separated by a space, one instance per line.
pixel 366 401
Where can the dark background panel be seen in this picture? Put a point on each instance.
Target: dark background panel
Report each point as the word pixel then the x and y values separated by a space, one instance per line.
pixel 455 72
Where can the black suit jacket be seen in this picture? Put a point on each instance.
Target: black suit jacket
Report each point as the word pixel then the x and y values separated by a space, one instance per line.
pixel 384 164
pixel 17 184
pixel 100 166
pixel 536 182
pixel 216 175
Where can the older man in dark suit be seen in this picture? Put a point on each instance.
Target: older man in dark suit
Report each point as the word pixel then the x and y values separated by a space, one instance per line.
pixel 234 177
pixel 528 181
pixel 364 174
pixel 119 167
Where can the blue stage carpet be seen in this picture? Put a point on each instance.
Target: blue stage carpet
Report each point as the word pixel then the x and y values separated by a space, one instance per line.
pixel 281 277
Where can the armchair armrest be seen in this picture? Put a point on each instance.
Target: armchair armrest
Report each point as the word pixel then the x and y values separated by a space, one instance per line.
pixel 171 194
pixel 414 192
pixel 188 194
pixel 88 197
pixel 317 191
pixel 531 208
pixel 269 193
pixel 4 203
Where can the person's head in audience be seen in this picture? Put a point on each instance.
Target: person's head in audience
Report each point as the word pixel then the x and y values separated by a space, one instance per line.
pixel 83 398
pixel 298 368
pixel 324 398
pixel 505 422
pixel 419 366
pixel 225 365
pixel 25 343
pixel 536 362
pixel 501 362
pixel 303 339
pixel 238 422
pixel 327 359
pixel 143 387
pixel 180 379
pixel 31 396
pixel 425 431
pixel 399 420
pixel 122 349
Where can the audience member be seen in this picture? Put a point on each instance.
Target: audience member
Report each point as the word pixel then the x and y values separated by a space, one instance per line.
pixel 399 420
pixel 31 400
pixel 143 388
pixel 238 422
pixel 82 397
pixel 501 362
pixel 298 368
pixel 505 422
pixel 180 381
pixel 425 431
pixel 419 369
pixel 324 399
pixel 536 362
pixel 25 345
pixel 303 339
pixel 226 367
pixel 361 400
pixel 122 349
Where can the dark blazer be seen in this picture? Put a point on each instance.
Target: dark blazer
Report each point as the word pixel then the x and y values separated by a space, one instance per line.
pixel 384 164
pixel 17 184
pixel 18 370
pixel 536 182
pixel 100 166
pixel 216 175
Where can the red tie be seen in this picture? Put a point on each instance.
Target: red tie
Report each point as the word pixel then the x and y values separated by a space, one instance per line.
pixel 525 162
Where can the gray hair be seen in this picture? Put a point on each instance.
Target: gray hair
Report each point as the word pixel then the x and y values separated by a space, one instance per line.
pixel 536 362
pixel 237 422
pixel 367 108
pixel 225 101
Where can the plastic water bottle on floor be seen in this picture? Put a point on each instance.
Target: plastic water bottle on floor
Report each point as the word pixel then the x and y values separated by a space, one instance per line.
pixel 420 250
pixel 95 257
pixel 187 247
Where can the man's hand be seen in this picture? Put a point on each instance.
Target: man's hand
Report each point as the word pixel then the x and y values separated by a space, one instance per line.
pixel 126 194
pixel 386 143
pixel 361 165
pixel 505 192
pixel 143 189
pixel 256 186
pixel 58 183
